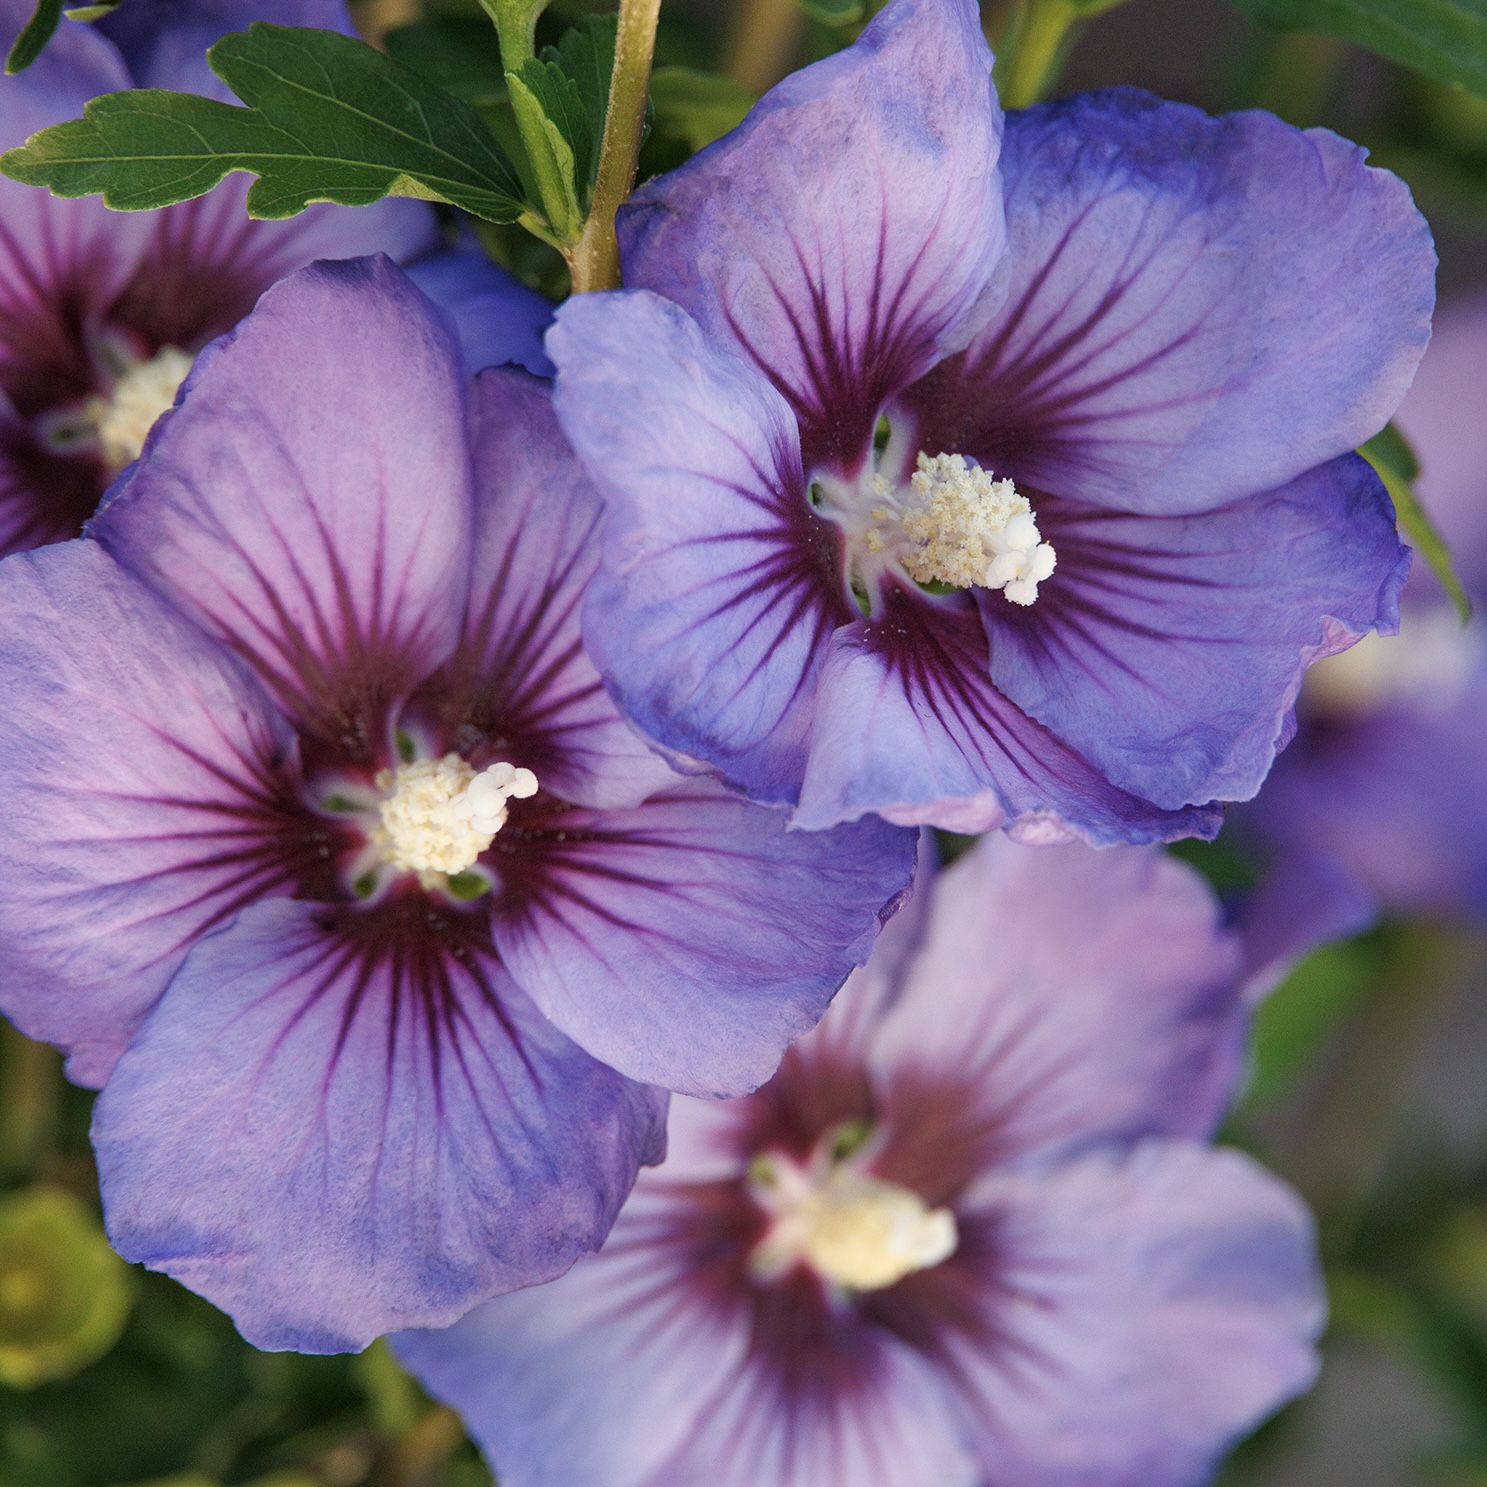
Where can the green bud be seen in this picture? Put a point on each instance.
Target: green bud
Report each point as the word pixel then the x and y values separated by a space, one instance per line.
pixel 64 1294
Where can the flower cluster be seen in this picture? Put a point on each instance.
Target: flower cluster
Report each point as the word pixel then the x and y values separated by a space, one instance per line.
pixel 431 747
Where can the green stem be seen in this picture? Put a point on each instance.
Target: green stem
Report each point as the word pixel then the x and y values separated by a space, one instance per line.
pixel 762 38
pixel 1036 45
pixel 516 28
pixel 1036 51
pixel 594 261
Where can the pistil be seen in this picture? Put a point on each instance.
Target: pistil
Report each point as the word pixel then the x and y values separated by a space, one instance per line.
pixel 143 392
pixel 438 815
pixel 854 1230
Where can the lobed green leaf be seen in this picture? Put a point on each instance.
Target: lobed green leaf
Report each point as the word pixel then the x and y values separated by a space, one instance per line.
pixel 328 119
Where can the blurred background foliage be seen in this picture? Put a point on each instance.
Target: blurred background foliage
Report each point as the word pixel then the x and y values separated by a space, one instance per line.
pixel 1368 1073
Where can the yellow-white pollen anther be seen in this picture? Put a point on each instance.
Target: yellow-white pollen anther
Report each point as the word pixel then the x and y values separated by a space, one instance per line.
pixel 852 1229
pixel 139 397
pixel 968 529
pixel 439 815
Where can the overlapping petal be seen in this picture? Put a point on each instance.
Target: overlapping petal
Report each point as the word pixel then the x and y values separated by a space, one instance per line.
pixel 1397 800
pixel 358 1131
pixel 520 682
pixel 1169 650
pixel 840 236
pixel 716 596
pixel 909 725
pixel 1182 326
pixel 315 517
pixel 144 798
pixel 686 942
pixel 499 319
pixel 1149 1310
pixel 1031 1036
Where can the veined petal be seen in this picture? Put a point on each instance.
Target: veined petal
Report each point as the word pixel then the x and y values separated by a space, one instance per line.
pixel 658 1364
pixel 1169 650
pixel 1148 1311
pixel 520 680
pixel 1199 308
pixel 499 319
pixel 309 499
pixel 908 724
pixel 841 234
pixel 717 589
pixel 686 942
pixel 339 1122
pixel 1014 1037
pixel 144 798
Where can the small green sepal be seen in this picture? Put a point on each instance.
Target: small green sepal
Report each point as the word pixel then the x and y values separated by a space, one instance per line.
pixel 468 886
pixel 1391 456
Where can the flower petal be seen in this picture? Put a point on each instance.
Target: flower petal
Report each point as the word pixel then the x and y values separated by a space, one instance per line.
pixel 1397 801
pixel 309 499
pixel 1443 417
pixel 688 941
pixel 499 319
pixel 341 1122
pixel 716 593
pixel 909 725
pixel 1149 1311
pixel 1169 650
pixel 165 43
pixel 1199 308
pixel 1063 997
pixel 520 674
pixel 656 1364
pixel 140 798
pixel 1304 900
pixel 841 234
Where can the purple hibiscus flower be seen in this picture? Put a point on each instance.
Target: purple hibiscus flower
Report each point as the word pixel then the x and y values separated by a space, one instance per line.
pixel 101 312
pixel 1385 784
pixel 328 858
pixel 968 1236
pixel 981 480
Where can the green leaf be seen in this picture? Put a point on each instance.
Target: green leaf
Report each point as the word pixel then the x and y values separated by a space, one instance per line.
pixel 456 53
pixel 554 130
pixel 1390 454
pixel 93 12
pixel 1446 39
pixel 698 107
pixel 560 100
pixel 35 34
pixel 328 119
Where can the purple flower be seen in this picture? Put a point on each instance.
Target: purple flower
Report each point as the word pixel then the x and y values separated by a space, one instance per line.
pixel 1385 785
pixel 905 365
pixel 968 1236
pixel 101 311
pixel 329 859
